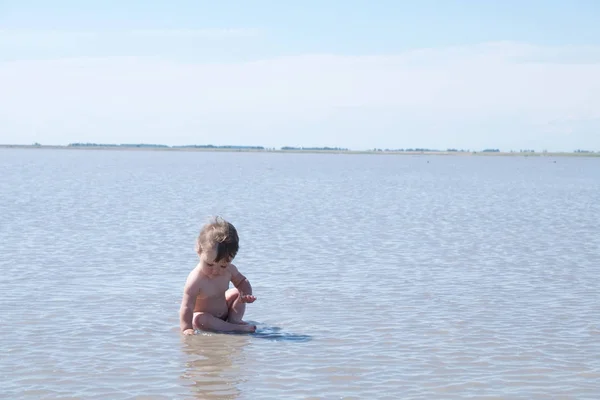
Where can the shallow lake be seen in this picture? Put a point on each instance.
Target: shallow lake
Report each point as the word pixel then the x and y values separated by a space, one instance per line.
pixel 377 276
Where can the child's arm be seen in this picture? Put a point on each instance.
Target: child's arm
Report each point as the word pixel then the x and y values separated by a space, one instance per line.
pixel 242 284
pixel 186 310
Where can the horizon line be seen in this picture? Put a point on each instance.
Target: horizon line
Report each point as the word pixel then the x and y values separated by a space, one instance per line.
pixel 298 148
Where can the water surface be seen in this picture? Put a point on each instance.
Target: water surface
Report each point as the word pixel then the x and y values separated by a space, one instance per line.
pixel 376 276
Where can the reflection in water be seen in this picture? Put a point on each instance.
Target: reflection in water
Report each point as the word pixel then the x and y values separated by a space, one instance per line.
pixel 213 360
pixel 212 365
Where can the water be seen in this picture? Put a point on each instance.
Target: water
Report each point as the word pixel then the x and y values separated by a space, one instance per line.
pixel 376 276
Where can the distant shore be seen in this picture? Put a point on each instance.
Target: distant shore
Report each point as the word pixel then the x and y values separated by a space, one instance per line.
pixel 249 149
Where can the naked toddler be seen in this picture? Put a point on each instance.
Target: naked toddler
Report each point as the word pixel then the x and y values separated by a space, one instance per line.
pixel 208 303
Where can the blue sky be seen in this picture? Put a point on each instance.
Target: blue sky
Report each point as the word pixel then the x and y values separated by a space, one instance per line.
pixel 358 74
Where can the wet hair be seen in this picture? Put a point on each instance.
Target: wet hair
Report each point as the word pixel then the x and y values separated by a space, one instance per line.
pixel 220 235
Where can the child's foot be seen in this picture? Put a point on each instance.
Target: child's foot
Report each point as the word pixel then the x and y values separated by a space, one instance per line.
pixel 243 326
pixel 248 328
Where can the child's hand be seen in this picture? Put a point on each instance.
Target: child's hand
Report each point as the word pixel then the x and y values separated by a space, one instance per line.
pixel 188 332
pixel 247 298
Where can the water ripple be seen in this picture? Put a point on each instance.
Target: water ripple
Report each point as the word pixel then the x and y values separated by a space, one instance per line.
pixel 376 277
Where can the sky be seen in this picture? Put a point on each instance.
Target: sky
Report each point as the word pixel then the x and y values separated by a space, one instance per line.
pixel 356 74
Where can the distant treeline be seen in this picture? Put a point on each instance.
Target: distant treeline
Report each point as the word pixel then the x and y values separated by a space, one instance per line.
pixel 193 146
pixel 418 149
pixel 115 145
pixel 206 146
pixel 425 150
pixel 210 146
pixel 293 148
pixel 314 148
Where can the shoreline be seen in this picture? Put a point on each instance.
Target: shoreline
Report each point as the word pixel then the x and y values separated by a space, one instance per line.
pixel 301 151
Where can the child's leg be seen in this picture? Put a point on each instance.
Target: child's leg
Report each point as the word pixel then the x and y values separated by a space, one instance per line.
pixel 209 322
pixel 236 307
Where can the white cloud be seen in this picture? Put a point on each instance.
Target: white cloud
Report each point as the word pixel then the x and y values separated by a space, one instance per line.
pixel 198 33
pixel 505 95
pixel 13 36
pixel 198 44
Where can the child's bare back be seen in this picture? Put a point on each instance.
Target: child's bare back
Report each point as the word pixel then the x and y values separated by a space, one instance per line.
pixel 207 302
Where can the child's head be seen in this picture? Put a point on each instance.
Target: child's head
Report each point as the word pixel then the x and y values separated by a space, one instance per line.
pixel 218 241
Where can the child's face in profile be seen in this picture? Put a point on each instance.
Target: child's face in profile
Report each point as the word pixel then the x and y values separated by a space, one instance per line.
pixel 209 265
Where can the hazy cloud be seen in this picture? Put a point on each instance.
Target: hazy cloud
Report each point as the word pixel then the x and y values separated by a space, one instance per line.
pixel 507 95
pixel 27 36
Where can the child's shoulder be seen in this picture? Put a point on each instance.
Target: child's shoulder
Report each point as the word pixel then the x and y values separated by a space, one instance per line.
pixel 235 274
pixel 232 268
pixel 194 275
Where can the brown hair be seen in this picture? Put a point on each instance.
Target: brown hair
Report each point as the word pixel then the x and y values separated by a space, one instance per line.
pixel 220 234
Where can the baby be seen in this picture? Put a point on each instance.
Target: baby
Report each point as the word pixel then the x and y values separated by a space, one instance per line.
pixel 208 303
